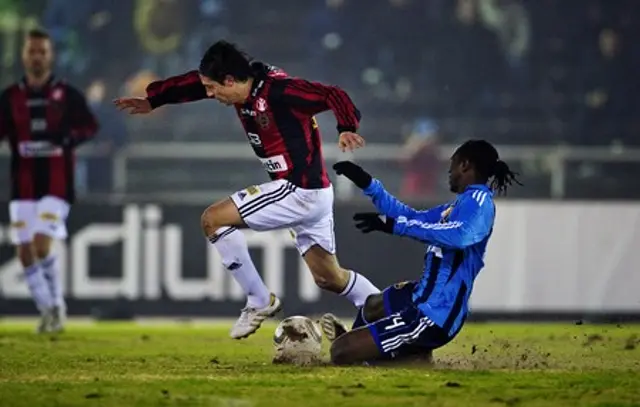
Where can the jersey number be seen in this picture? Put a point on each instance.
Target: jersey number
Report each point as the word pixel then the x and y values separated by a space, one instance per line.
pixel 254 139
pixel 397 322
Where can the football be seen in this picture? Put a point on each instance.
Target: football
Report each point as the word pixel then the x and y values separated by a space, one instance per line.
pixel 298 341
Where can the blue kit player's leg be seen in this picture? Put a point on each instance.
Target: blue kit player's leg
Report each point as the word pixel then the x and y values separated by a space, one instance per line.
pixel 394 329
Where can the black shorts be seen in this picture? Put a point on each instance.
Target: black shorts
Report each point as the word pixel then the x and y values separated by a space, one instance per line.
pixel 404 328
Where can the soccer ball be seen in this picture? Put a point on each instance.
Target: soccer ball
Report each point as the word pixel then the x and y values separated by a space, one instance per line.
pixel 297 340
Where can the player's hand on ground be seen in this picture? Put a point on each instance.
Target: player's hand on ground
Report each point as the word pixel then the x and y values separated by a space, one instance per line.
pixel 349 141
pixel 133 105
pixel 371 222
pixel 354 172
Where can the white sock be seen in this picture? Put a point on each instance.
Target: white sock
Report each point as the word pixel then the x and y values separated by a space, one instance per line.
pixel 49 266
pixel 358 289
pixel 234 251
pixel 38 287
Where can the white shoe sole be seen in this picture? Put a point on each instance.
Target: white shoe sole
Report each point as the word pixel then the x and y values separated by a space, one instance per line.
pixel 328 324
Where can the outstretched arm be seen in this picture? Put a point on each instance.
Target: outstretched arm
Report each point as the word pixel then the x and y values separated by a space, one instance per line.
pixel 176 89
pixel 389 205
pixel 386 204
pixel 469 222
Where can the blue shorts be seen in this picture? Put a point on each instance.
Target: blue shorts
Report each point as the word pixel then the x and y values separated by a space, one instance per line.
pixel 404 327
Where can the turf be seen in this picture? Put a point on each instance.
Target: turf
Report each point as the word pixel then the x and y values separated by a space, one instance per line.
pixel 197 365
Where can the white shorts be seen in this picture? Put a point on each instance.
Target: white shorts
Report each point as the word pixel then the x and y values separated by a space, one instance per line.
pixel 308 213
pixel 46 216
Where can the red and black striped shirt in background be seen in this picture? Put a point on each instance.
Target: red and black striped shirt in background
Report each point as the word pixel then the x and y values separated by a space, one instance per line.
pixel 278 118
pixel 43 127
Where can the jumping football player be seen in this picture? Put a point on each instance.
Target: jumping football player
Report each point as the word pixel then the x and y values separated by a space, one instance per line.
pixel 44 119
pixel 277 113
pixel 416 317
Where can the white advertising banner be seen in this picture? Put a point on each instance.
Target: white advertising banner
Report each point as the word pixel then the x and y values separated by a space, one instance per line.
pixel 555 256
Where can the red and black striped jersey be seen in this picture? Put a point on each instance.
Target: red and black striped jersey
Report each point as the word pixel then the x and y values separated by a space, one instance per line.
pixel 43 126
pixel 278 118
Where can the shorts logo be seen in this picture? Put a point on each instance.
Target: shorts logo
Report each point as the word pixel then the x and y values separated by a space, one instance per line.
pixel 48 216
pixel 253 190
pixel 401 284
pixel 242 195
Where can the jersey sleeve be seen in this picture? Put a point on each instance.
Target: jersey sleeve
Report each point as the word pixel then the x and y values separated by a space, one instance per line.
pixel 82 124
pixel 469 223
pixel 176 89
pixel 314 97
pixel 389 205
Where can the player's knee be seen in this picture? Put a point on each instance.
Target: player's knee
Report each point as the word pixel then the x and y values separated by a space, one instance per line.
pixel 328 281
pixel 41 246
pixel 208 221
pixel 373 308
pixel 26 255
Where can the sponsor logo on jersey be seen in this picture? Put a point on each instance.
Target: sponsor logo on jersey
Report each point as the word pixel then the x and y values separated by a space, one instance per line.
pixel 276 163
pixel 41 148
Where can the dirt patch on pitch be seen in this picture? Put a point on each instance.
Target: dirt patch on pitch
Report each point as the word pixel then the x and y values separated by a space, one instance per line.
pixel 502 355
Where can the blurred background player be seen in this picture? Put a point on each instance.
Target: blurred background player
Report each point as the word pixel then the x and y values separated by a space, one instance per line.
pixel 418 316
pixel 277 113
pixel 44 119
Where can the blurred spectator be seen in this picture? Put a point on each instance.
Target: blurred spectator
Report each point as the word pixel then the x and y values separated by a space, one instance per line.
pixel 609 91
pixel 421 161
pixel 509 19
pixel 472 65
pixel 16 18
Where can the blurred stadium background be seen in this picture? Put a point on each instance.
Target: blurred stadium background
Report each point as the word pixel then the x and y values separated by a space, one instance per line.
pixel 553 83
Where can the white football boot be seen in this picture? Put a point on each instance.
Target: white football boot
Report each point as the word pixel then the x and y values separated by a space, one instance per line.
pixel 332 327
pixel 252 318
pixel 58 317
pixel 44 325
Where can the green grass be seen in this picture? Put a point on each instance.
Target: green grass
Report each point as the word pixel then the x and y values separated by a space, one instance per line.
pixel 197 365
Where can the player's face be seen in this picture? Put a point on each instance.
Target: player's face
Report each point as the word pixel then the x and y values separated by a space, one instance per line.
pixel 456 170
pixel 224 93
pixel 37 56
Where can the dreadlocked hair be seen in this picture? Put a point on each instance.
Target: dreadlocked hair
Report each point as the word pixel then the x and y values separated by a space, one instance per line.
pixel 488 165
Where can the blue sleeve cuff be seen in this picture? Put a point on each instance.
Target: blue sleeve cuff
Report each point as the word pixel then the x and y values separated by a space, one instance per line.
pixel 373 188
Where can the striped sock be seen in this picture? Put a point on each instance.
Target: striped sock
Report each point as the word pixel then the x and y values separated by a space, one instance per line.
pixel 52 276
pixel 234 251
pixel 358 288
pixel 38 287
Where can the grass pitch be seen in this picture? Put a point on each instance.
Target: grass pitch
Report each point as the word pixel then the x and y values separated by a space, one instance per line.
pixel 197 365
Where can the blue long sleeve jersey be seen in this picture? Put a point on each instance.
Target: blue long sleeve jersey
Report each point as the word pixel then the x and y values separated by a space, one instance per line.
pixel 456 235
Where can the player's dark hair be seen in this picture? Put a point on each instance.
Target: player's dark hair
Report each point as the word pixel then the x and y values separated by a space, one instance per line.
pixel 224 59
pixel 38 34
pixel 487 164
